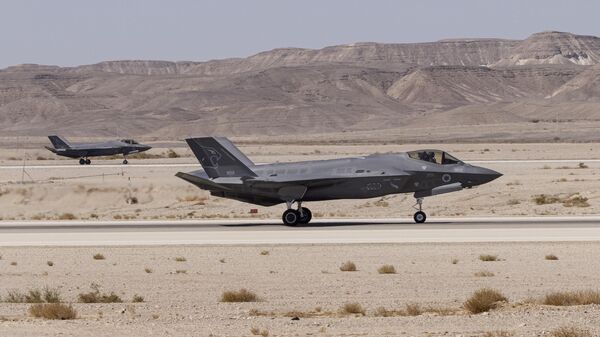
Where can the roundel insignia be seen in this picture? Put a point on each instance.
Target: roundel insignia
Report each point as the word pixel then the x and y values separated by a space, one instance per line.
pixel 446 178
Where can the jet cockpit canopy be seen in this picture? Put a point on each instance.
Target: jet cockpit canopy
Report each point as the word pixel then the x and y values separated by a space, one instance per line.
pixel 129 141
pixel 434 156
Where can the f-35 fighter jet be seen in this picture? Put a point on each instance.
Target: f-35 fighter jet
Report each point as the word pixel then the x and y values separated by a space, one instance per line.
pixel 228 173
pixel 85 150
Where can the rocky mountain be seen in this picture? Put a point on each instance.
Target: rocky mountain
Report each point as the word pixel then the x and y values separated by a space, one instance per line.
pixel 549 77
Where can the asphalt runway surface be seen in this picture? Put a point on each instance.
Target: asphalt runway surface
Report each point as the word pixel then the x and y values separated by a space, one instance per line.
pixel 332 231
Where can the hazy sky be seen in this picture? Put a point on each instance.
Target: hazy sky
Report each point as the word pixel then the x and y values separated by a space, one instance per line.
pixel 73 32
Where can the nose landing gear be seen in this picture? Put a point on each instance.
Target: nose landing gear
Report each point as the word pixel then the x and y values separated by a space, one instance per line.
pixel 419 216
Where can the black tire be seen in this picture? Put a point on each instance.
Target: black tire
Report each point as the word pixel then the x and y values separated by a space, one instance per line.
pixel 125 162
pixel 290 217
pixel 87 161
pixel 306 216
pixel 81 161
pixel 420 217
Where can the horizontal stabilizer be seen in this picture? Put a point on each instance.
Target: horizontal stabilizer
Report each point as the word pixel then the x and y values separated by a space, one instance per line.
pixel 205 184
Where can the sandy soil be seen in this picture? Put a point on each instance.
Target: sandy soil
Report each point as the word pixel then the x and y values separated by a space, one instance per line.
pixel 128 192
pixel 301 278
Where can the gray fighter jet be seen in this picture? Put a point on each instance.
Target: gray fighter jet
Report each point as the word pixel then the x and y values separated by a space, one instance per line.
pixel 83 151
pixel 228 173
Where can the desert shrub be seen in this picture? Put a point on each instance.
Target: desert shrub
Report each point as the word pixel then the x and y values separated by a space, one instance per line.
pixel 499 333
pixel 50 263
pixel 551 257
pixel 180 259
pixel 348 266
pixel 483 300
pixel 95 296
pixel 98 256
pixel 34 296
pixel 582 166
pixel 484 273
pixel 51 295
pixel 67 216
pixel 257 332
pixel 576 200
pixel 454 261
pixel 148 270
pixel 264 252
pixel 137 298
pixel 413 309
pixel 568 298
pixel 386 269
pixel 14 296
pixel 544 199
pixel 570 331
pixel 242 295
pixel 180 271
pixel 172 154
pixel 53 311
pixel 352 308
pixel 488 257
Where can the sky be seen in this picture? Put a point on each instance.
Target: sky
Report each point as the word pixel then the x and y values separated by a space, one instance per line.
pixel 75 32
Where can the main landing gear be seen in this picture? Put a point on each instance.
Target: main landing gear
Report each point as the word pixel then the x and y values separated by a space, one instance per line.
pixel 293 217
pixel 84 161
pixel 125 159
pixel 419 216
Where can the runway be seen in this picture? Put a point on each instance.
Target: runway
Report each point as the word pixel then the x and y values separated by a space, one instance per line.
pixel 197 165
pixel 332 231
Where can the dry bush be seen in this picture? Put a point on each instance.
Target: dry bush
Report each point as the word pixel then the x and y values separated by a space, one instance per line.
pixel 413 309
pixel 488 257
pixel 544 199
pixel 570 331
pixel 264 252
pixel 499 333
pixel 148 270
pixel 137 298
pixel 352 308
pixel 180 271
pixel 180 259
pixel 14 263
pixel 172 154
pixel 483 300
pixel 568 298
pixel 386 269
pixel 454 261
pixel 53 311
pixel 582 166
pixel 513 202
pixel 98 256
pixel 95 296
pixel 51 295
pixel 67 216
pixel 34 296
pixel 575 200
pixel 484 273
pixel 50 263
pixel 242 295
pixel 14 296
pixel 551 257
pixel 257 332
pixel 348 266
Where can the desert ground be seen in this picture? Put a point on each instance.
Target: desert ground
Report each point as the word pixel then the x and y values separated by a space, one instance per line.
pixel 133 192
pixel 182 287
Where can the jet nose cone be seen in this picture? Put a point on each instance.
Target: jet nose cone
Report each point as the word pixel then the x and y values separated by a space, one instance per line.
pixel 145 147
pixel 489 175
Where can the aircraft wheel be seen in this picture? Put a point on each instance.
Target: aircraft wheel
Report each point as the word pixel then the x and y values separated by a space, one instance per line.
pixel 125 162
pixel 87 161
pixel 81 161
pixel 290 217
pixel 420 217
pixel 306 216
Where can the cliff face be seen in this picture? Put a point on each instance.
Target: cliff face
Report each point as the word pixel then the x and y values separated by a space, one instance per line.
pixel 362 86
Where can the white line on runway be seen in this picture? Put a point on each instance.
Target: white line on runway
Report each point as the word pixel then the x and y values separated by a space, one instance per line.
pixel 508 161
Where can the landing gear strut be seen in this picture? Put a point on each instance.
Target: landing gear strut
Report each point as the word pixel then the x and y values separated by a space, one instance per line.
pixel 419 216
pixel 293 217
